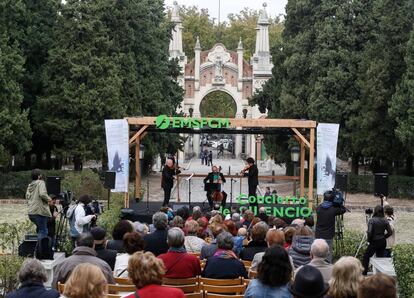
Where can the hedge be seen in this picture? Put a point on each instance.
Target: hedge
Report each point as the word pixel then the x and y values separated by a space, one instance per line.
pixel 351 240
pixel 14 184
pixel 398 186
pixel 403 258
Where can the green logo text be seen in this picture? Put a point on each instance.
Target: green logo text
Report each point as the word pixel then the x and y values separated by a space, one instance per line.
pixel 164 122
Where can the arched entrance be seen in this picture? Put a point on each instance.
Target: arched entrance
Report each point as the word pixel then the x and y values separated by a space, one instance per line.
pixel 222 105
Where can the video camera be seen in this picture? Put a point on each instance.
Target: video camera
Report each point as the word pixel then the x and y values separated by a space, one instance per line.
pixel 65 198
pixel 334 196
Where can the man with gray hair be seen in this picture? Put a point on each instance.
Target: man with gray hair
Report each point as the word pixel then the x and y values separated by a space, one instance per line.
pixel 178 263
pixel 156 242
pixel 224 263
pixel 319 253
pixel 235 217
pixel 31 276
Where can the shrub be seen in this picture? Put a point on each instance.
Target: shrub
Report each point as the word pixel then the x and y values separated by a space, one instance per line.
pixel 9 266
pixel 403 258
pixel 112 216
pixel 351 241
pixel 11 235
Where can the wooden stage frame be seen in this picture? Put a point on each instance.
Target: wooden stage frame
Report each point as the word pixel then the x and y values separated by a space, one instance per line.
pixel 299 128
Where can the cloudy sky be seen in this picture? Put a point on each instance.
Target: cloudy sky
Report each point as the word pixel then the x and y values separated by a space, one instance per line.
pixel 274 7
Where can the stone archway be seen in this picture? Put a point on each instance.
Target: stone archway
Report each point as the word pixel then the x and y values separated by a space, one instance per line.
pixel 218 104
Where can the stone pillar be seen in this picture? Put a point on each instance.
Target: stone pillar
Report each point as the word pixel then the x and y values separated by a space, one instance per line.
pixel 238 144
pixel 240 66
pixel 196 145
pixel 197 51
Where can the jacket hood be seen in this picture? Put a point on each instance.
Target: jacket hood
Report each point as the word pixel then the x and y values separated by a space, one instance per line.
pixel 32 186
pixel 84 250
pixel 302 244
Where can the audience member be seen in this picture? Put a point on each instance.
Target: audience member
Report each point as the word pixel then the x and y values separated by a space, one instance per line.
pixel 238 240
pixel 84 252
pixel 273 237
pixel 298 222
pixel 308 283
pixel 242 232
pixel 86 280
pixel 141 228
pixel 235 217
pixel 209 249
pixel 108 255
pixel 289 233
pixel 278 223
pixel 346 278
pixel 183 212
pixel 156 242
pixel 31 277
pixel 177 262
pixel 133 242
pixel 258 243
pixel 301 246
pixel 248 217
pixel 177 222
pixel 389 215
pixel 378 286
pixel 273 276
pixel 120 229
pixel 146 272
pixel 203 231
pixel 192 242
pixel 262 214
pixel 224 263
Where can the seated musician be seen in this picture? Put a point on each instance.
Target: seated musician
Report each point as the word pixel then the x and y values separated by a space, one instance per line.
pixel 214 180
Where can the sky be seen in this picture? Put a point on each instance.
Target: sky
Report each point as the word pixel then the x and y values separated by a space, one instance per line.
pixel 274 7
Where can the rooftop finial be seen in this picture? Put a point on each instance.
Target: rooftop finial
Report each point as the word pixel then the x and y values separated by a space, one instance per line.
pixel 175 16
pixel 240 46
pixel 264 5
pixel 263 18
pixel 197 45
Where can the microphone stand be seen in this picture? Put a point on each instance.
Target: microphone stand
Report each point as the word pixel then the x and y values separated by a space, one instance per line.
pixel 189 190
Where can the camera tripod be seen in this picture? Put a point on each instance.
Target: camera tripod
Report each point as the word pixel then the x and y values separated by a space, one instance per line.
pixel 62 229
pixel 339 234
pixel 363 241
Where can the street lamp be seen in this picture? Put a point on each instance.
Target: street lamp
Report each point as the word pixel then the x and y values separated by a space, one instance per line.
pixel 294 156
pixel 141 151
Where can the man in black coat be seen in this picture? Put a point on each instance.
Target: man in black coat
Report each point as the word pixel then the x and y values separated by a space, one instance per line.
pixel 156 242
pixel 167 180
pixel 214 178
pixel 252 180
pixel 108 255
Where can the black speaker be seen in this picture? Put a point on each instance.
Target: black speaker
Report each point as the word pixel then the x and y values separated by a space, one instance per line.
pixel 341 182
pixel 110 179
pixel 28 246
pixel 381 184
pixel 53 185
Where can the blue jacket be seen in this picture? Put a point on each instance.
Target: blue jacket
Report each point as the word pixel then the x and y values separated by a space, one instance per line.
pixel 33 290
pixel 217 267
pixel 258 290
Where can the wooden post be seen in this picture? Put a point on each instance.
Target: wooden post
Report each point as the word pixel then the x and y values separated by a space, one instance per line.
pixel 311 166
pixel 178 188
pixel 137 169
pixel 302 169
pixel 126 200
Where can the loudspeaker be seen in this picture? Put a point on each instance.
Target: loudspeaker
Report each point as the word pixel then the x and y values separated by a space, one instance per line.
pixel 28 246
pixel 341 182
pixel 53 185
pixel 381 184
pixel 109 179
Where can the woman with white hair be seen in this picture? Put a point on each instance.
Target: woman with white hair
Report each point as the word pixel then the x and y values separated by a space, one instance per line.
pixel 31 276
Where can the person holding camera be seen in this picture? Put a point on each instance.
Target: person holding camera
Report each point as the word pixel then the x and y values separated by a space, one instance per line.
pixel 79 220
pixel 379 230
pixel 326 214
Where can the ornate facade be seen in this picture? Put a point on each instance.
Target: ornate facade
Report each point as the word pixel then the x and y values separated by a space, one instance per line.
pixel 220 69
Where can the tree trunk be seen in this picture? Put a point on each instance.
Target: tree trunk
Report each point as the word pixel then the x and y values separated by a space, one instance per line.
pixel 77 162
pixel 28 160
pixel 355 163
pixel 48 160
pixel 409 166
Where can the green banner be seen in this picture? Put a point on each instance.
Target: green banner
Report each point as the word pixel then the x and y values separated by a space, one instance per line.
pixel 164 122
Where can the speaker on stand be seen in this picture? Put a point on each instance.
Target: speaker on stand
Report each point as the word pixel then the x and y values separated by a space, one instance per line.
pixel 381 186
pixel 53 185
pixel 341 182
pixel 109 183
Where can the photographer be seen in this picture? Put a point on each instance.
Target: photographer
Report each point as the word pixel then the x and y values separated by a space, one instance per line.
pixel 376 236
pixel 79 220
pixel 325 217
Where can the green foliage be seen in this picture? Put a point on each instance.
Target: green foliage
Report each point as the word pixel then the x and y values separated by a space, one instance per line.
pixel 403 258
pixel 9 266
pixel 112 216
pixel 14 184
pixel 218 101
pixel 11 235
pixel 351 241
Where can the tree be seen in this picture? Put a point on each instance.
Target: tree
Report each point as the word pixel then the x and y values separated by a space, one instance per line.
pixel 15 132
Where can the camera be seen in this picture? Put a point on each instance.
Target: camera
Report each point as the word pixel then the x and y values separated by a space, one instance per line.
pixel 368 211
pixel 334 196
pixel 65 198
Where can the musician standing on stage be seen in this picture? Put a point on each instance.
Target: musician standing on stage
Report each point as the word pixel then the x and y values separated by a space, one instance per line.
pixel 252 173
pixel 214 177
pixel 167 180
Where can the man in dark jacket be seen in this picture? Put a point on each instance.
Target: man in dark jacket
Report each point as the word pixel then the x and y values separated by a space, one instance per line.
pixel 325 223
pixel 83 253
pixel 167 180
pixel 156 242
pixel 108 255
pixel 252 180
pixel 31 276
pixel 258 243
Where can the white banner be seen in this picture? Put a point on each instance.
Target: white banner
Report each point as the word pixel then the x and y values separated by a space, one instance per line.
pixel 327 139
pixel 117 138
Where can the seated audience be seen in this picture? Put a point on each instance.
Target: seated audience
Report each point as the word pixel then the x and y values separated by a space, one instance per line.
pixel 273 237
pixel 378 286
pixel 177 222
pixel 86 280
pixel 235 217
pixel 209 249
pixel 308 283
pixel 273 276
pixel 301 246
pixel 183 212
pixel 146 272
pixel 289 233
pixel 262 214
pixel 156 242
pixel 258 243
pixel 84 252
pixel 242 232
pixel 278 223
pixel 319 255
pixel 132 243
pixel 238 240
pixel 203 231
pixel 141 228
pixel 108 255
pixel 120 229
pixel 31 277
pixel 177 262
pixel 346 278
pixel 192 242
pixel 248 217
pixel 224 263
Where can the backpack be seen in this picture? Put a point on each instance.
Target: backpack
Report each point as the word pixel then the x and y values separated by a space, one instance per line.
pixel 70 214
